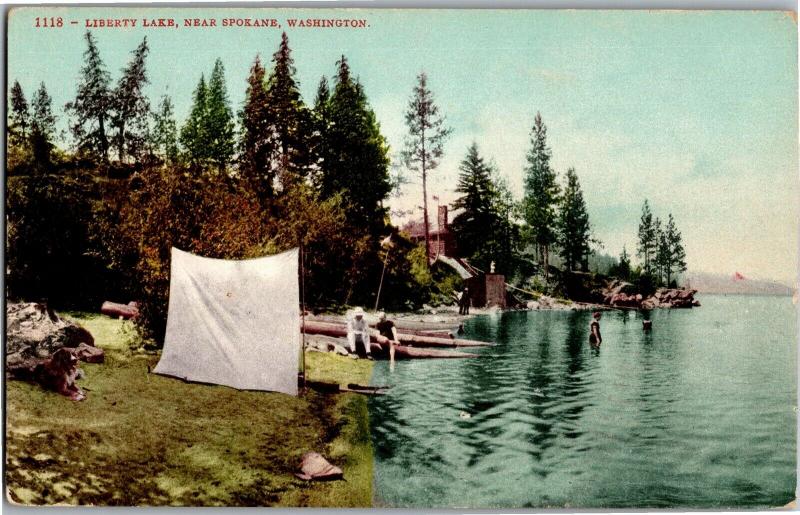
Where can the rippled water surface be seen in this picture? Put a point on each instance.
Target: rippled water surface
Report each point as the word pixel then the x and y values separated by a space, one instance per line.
pixel 699 412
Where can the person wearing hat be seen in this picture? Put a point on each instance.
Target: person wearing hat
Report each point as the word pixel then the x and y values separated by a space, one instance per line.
pixel 463 302
pixel 388 330
pixel 358 334
pixel 594 331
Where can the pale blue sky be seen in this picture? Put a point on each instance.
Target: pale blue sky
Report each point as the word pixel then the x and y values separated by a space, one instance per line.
pixel 696 111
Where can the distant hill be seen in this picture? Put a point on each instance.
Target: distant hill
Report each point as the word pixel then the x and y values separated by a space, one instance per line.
pixel 734 284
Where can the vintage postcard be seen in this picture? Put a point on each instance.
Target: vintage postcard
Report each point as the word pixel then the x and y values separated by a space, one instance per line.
pixel 401 258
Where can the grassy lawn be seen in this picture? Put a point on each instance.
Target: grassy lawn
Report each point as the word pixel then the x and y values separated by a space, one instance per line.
pixel 143 439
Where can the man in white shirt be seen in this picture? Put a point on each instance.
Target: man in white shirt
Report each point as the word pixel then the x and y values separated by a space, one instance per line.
pixel 358 334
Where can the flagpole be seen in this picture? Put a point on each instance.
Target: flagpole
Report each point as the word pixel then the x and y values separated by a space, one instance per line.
pixel 387 242
pixel 380 285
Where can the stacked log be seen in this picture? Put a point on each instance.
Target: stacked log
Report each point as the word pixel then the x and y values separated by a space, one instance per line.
pixel 417 340
pixel 380 345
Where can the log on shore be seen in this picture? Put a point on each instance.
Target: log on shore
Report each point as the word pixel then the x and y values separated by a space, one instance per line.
pixel 400 323
pixel 339 330
pixel 116 310
pixel 434 341
pixel 406 352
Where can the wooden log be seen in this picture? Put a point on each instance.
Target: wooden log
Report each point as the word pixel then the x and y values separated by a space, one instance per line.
pixel 338 330
pixel 116 310
pixel 433 341
pixel 406 352
pixel 380 346
pixel 401 323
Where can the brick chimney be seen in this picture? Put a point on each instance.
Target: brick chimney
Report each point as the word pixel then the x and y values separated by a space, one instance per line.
pixel 442 218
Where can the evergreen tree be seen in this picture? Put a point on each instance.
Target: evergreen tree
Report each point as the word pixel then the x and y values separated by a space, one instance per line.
pixel 507 231
pixel 624 268
pixel 663 261
pixel 573 225
pixel 656 258
pixel 676 261
pixel 290 121
pixel 131 108
pixel 43 127
pixel 541 193
pixel 193 133
pixel 646 238
pixel 219 123
pixel 165 132
pixel 475 225
pixel 255 150
pixel 92 105
pixel 356 162
pixel 319 136
pixel 424 144
pixel 19 116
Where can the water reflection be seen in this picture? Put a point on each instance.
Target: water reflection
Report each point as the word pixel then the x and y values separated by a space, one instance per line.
pixel 651 421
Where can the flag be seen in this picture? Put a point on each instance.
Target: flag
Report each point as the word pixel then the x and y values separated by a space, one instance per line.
pixel 738 277
pixel 436 198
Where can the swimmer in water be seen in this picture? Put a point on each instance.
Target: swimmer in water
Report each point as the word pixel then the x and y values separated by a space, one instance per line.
pixel 594 331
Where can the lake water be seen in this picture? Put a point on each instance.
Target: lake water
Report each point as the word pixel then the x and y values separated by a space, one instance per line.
pixel 700 412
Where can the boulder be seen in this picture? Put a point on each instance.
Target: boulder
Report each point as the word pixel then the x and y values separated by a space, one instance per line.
pixel 88 354
pixel 34 332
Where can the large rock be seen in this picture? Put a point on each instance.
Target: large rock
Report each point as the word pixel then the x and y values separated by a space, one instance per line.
pixel 34 332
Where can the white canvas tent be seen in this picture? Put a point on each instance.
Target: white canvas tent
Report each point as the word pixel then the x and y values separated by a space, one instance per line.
pixel 234 323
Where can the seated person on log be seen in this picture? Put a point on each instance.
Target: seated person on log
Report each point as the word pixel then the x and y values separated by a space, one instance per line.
pixel 358 334
pixel 388 330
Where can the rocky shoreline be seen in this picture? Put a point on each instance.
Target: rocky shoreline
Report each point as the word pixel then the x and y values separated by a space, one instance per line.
pixel 621 294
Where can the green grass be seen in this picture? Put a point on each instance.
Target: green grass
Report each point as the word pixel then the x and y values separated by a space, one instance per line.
pixel 144 439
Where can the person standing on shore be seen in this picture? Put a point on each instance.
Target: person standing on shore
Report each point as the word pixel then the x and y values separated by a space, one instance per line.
pixel 387 329
pixel 358 334
pixel 463 302
pixel 595 339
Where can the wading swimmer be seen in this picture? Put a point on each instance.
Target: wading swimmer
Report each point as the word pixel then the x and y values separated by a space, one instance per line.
pixel 594 331
pixel 388 330
pixel 358 334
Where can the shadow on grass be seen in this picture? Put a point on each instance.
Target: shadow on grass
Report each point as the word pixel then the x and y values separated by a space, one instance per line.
pixel 144 439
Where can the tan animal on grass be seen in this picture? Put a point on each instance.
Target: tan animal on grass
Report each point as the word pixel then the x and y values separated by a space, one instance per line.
pixel 59 373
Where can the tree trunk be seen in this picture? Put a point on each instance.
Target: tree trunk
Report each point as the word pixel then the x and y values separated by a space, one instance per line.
pixel 425 204
pixel 121 149
pixel 103 139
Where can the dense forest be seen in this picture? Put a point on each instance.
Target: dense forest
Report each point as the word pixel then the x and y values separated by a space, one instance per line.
pixel 92 215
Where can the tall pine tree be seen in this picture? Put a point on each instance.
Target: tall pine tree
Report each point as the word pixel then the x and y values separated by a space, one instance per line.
pixel 647 241
pixel 676 260
pixel 541 194
pixel 424 144
pixel 507 231
pixel 193 133
pixel 131 108
pixel 43 127
pixel 255 151
pixel 474 226
pixel 19 117
pixel 207 135
pixel 319 137
pixel 91 109
pixel 290 120
pixel 356 163
pixel 165 133
pixel 573 225
pixel 219 123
